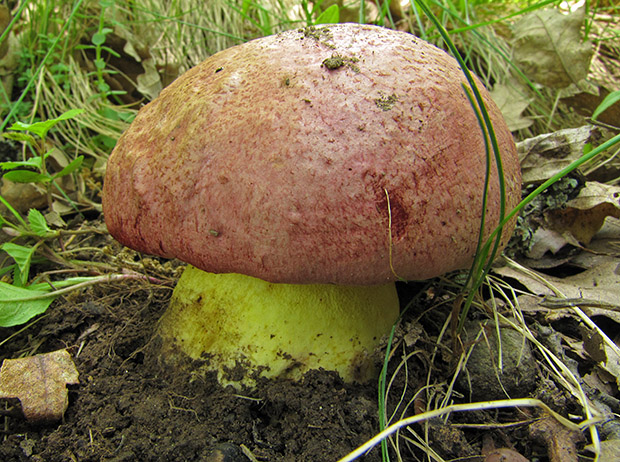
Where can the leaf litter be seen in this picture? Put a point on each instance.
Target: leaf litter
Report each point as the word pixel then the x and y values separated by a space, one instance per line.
pixel 129 406
pixel 39 382
pixel 127 398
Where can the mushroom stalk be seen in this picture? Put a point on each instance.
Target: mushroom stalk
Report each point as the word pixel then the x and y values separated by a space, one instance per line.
pixel 245 328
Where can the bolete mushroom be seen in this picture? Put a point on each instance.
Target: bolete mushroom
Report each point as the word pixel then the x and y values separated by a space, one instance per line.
pixel 317 166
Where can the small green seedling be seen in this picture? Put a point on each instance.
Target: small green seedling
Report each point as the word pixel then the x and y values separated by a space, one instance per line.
pixel 34 169
pixel 16 302
pixel 37 227
pixel 98 46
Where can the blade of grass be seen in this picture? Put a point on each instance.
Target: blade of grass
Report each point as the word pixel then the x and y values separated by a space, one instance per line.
pixel 487 254
pixel 561 174
pixel 16 104
pixel 490 22
pixel 503 404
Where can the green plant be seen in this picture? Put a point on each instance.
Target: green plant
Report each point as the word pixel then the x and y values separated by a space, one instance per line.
pixel 54 75
pixel 33 169
pixel 271 19
pixel 48 44
pixel 314 15
pixel 98 41
pixel 23 298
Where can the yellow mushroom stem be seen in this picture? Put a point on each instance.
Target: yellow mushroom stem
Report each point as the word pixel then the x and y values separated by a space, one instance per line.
pixel 246 327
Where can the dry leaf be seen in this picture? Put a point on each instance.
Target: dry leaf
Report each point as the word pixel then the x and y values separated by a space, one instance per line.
pixel 40 383
pixel 599 380
pixel 584 216
pixel 512 102
pixel 9 52
pixel 543 241
pixel 595 194
pixel 505 455
pixel 610 362
pixel 22 196
pixel 596 291
pixel 593 344
pixel 493 454
pixel 578 222
pixel 560 441
pixel 5 19
pixel 610 450
pixel 149 83
pixel 603 247
pixel 549 49
pixel 545 155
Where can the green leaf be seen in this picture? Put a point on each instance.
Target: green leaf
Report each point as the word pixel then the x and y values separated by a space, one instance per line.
pixel 7 269
pixel 20 304
pixel 104 141
pixel 112 52
pixel 609 101
pixel 22 256
pixel 98 39
pixel 41 128
pixel 19 137
pixel 26 176
pixel 74 165
pixel 109 113
pixel 84 47
pixel 103 87
pixel 38 224
pixel 70 114
pixel 99 64
pixel 331 15
pixel 34 162
pixel 38 128
pixel 14 311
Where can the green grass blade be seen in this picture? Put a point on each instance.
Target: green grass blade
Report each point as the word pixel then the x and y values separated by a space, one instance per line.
pixel 610 100
pixel 15 106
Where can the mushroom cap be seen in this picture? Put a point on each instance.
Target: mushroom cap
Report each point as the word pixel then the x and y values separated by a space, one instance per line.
pixel 343 154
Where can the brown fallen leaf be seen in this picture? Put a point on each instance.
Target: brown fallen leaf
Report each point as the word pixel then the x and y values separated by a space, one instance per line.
pixel 561 442
pixel 40 383
pixel 512 100
pixel 610 450
pixel 582 217
pixel 545 155
pixel 493 454
pixel 505 455
pixel 596 291
pixel 549 47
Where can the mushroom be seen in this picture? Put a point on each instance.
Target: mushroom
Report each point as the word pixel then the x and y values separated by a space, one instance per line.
pixel 300 175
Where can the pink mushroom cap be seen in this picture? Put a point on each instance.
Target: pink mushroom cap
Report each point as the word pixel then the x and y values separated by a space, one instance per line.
pixel 344 154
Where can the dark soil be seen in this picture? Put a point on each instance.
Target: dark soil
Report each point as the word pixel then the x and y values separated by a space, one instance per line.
pixel 130 406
